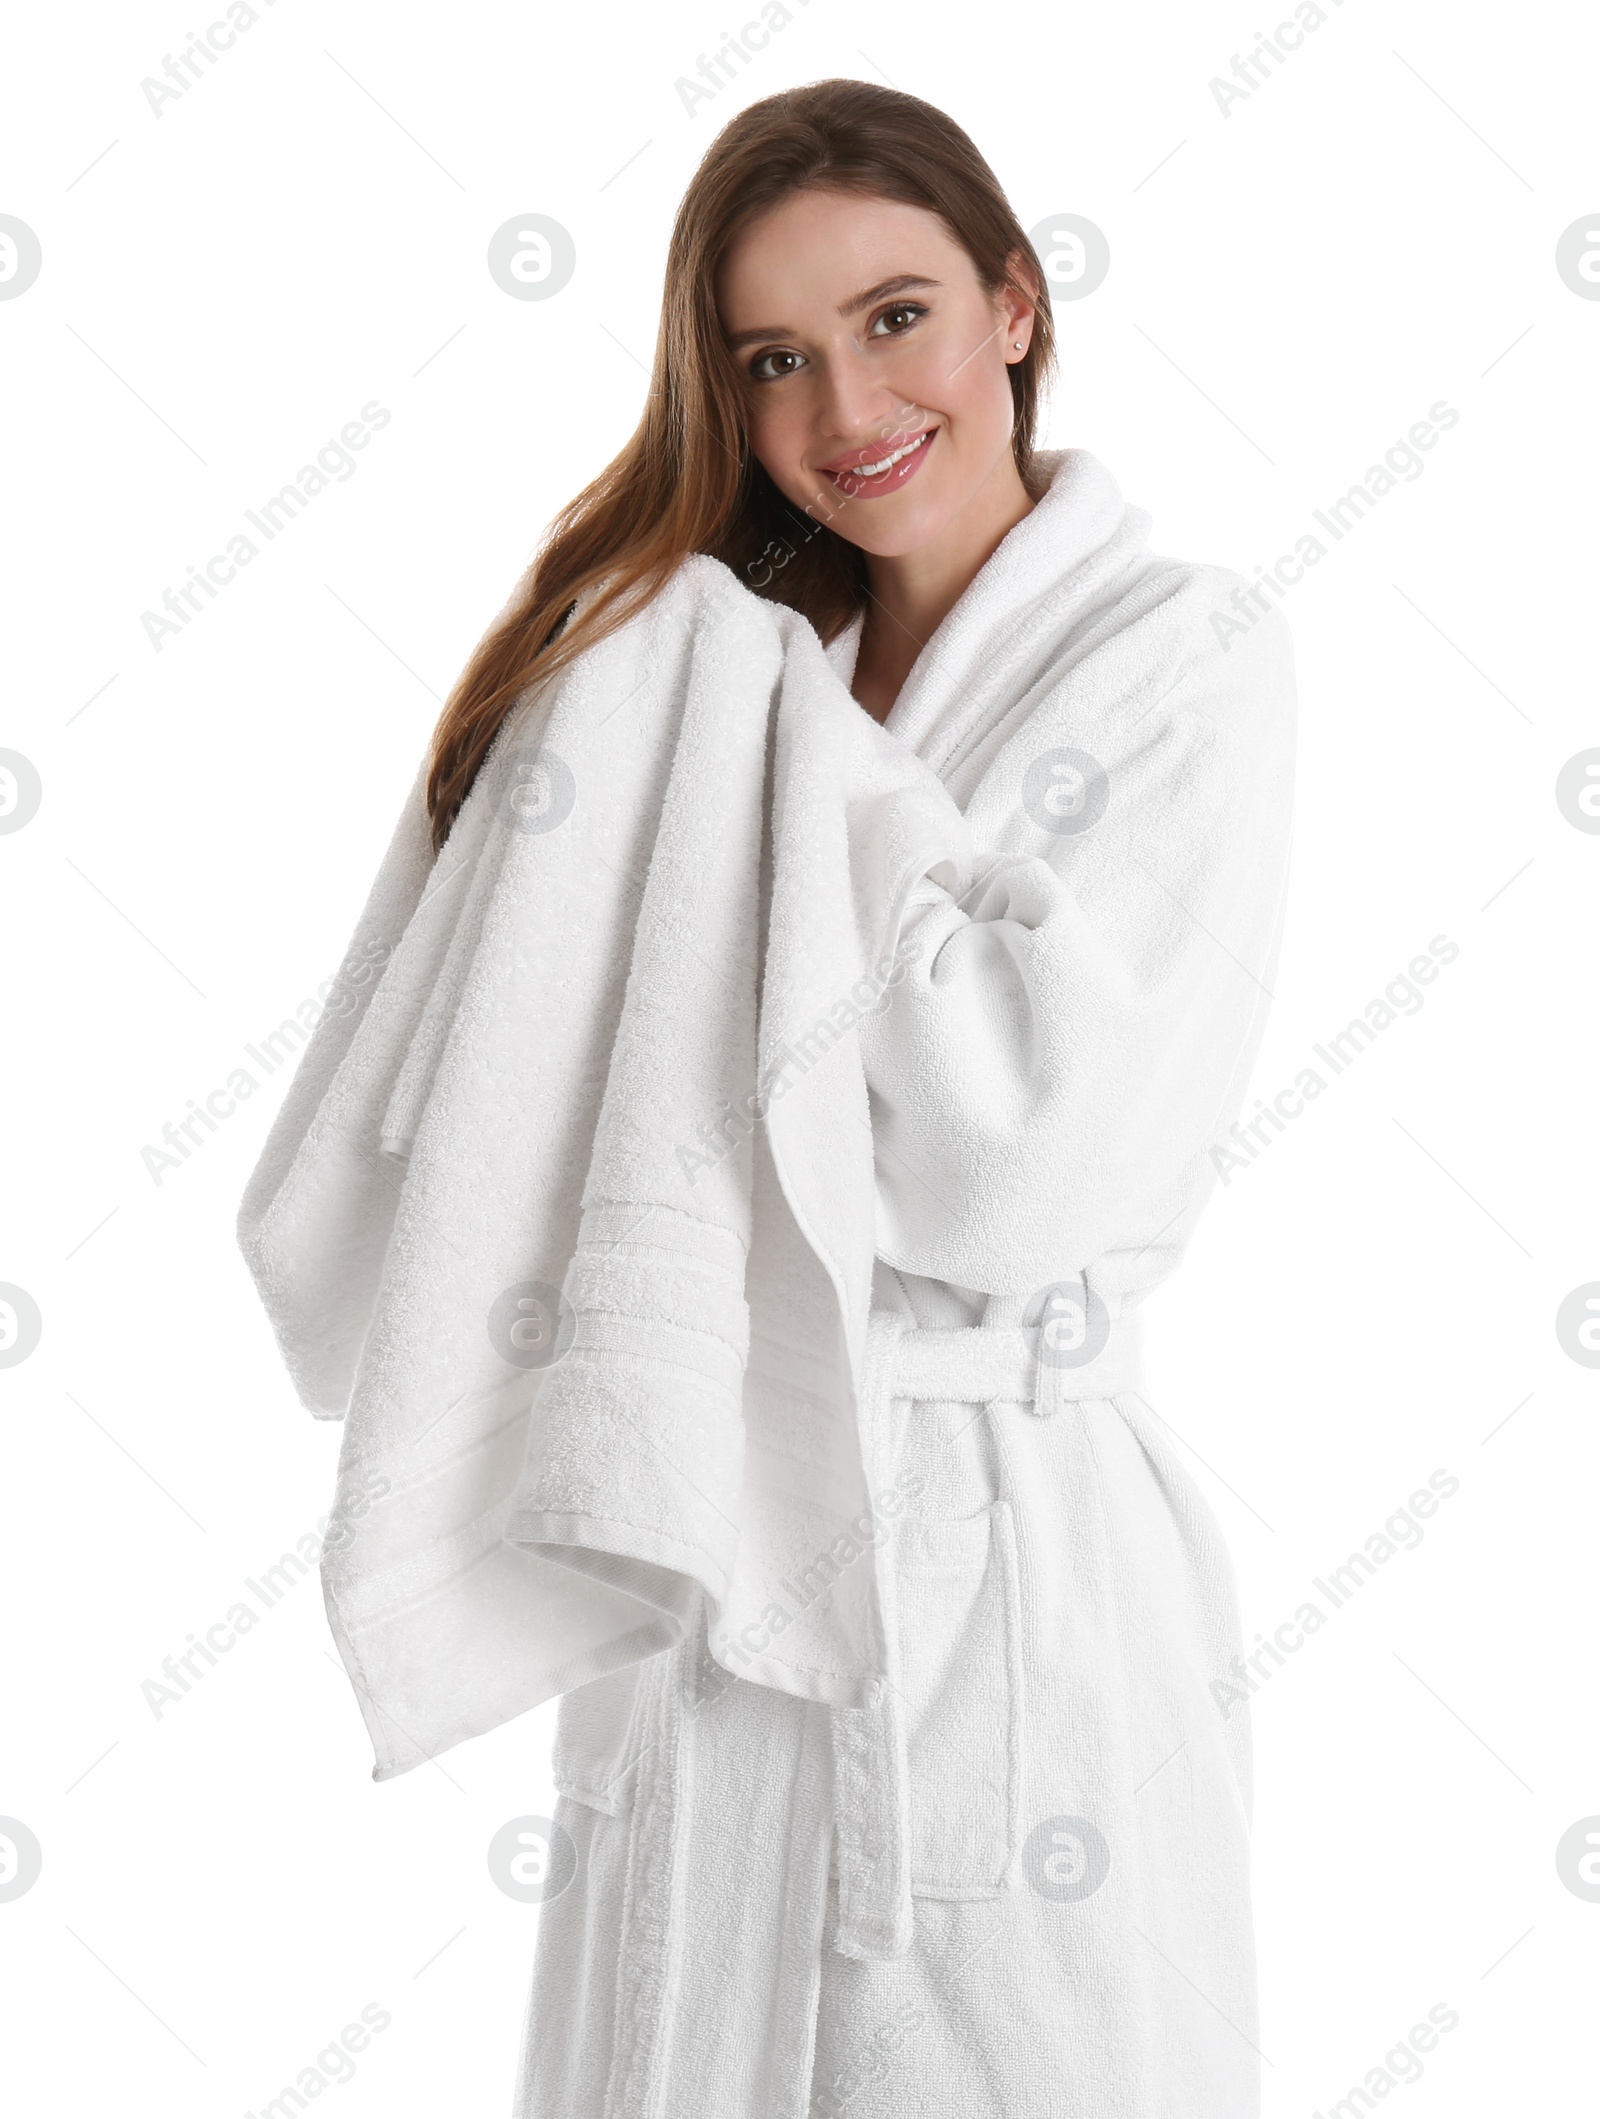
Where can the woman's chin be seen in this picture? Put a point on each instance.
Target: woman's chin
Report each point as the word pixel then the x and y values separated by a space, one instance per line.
pixel 898 525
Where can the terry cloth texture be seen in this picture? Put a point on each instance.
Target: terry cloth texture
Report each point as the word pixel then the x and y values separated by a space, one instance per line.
pixel 731 1045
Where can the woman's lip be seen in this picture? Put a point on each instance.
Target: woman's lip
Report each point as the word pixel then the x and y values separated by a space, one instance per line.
pixel 858 487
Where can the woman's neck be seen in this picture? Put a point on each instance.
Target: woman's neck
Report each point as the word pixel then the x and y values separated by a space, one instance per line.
pixel 910 594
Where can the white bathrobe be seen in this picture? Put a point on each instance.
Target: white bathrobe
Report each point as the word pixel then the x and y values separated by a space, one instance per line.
pixel 885 1617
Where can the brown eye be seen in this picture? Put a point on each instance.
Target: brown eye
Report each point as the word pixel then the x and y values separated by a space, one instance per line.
pixel 761 372
pixel 909 311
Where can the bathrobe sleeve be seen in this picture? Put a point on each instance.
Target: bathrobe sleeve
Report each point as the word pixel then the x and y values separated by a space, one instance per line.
pixel 1055 1070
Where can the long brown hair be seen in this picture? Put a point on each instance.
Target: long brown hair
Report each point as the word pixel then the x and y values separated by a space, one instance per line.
pixel 686 482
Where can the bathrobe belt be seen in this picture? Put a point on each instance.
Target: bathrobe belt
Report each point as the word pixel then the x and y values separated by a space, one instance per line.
pixel 1041 1368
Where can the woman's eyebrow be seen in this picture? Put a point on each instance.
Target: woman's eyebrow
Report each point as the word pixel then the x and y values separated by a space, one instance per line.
pixel 900 284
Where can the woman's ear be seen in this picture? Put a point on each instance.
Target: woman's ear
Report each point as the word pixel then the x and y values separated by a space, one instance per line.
pixel 1018 301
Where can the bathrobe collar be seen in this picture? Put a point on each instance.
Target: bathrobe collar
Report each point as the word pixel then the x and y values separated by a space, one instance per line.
pixel 1061 552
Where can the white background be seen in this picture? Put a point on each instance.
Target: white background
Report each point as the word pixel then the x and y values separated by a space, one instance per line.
pixel 1299 280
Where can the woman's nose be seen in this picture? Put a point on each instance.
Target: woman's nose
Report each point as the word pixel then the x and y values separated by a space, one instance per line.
pixel 856 406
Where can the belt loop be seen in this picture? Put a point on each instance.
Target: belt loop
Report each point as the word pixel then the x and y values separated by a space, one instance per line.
pixel 1074 1326
pixel 1110 1302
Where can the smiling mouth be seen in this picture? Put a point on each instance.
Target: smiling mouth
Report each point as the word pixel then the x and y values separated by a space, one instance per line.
pixel 855 477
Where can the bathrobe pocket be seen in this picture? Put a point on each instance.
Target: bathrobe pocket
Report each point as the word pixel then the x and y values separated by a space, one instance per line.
pixel 591 1761
pixel 959 1628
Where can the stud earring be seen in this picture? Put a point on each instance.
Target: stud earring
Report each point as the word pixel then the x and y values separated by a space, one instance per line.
pixel 1017 343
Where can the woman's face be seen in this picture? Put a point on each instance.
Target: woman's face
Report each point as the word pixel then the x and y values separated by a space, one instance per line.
pixel 874 364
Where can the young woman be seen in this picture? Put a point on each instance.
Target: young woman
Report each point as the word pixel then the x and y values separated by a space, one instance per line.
pixel 943 1811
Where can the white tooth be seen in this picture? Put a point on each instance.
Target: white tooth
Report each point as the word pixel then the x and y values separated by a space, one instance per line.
pixel 877 470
